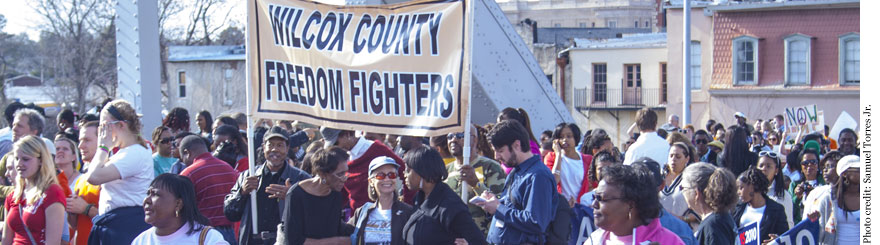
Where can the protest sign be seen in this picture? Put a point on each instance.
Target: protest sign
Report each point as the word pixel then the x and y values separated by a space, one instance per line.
pixel 396 69
pixel 804 233
pixel 808 115
pixel 749 234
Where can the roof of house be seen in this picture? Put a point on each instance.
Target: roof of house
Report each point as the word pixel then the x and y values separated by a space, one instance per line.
pixel 205 53
pixel 762 5
pixel 642 40
pixel 24 80
pixel 561 36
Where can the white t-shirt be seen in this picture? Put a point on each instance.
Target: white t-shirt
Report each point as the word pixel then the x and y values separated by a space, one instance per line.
pixel 847 227
pixel 572 175
pixel 378 228
pixel 752 215
pixel 135 166
pixel 179 237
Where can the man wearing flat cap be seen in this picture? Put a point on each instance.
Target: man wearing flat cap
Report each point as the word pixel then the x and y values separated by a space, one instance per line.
pixel 271 180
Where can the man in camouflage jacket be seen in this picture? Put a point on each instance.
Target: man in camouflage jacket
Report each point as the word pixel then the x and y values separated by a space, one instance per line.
pixel 481 174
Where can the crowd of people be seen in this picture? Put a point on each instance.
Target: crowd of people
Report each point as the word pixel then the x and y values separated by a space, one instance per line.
pixel 100 182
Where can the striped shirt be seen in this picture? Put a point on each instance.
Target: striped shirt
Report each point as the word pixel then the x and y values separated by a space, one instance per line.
pixel 213 179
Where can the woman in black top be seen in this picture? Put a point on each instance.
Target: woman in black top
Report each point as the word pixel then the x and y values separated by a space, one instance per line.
pixel 318 202
pixel 756 206
pixel 737 156
pixel 710 191
pixel 440 216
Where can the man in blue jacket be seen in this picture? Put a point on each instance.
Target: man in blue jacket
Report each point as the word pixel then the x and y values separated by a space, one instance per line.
pixel 524 209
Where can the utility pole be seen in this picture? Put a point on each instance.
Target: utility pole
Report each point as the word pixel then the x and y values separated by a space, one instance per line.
pixel 686 86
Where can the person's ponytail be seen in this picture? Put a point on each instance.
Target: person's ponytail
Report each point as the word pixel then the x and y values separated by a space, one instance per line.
pixel 527 123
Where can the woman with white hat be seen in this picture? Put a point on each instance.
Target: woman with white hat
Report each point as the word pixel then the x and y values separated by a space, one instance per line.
pixel 381 222
pixel 838 211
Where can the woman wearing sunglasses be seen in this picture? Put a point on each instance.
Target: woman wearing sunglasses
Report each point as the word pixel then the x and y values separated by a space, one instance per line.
pixel 770 165
pixel 801 189
pixel 381 222
pixel 318 200
pixel 163 158
pixel 626 209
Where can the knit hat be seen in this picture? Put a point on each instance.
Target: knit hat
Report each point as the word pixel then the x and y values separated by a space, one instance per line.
pixel 812 144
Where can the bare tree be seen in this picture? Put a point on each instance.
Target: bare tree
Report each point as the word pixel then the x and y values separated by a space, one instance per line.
pixel 79 39
pixel 202 23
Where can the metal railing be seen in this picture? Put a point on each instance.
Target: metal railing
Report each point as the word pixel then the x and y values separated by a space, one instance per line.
pixel 634 98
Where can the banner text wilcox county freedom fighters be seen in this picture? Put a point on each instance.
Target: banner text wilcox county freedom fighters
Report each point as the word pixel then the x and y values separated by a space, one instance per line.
pixel 399 69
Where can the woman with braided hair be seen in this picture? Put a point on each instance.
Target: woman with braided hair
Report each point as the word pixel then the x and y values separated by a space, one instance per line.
pixel 177 120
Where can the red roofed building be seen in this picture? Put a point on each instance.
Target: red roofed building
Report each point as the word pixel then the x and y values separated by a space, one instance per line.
pixel 762 57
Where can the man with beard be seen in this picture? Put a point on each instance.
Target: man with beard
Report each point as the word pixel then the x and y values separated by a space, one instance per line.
pixel 271 181
pixel 481 174
pixel 522 212
pixel 847 141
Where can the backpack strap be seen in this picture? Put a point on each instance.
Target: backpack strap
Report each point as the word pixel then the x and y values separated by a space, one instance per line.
pixel 204 234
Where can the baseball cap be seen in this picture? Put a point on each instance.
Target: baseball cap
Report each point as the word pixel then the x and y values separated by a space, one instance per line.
pixel 274 132
pixel 653 168
pixel 330 136
pixel 739 114
pixel 381 161
pixel 850 161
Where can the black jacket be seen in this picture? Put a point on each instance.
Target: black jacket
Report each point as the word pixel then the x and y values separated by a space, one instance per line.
pixel 400 215
pixel 237 207
pixel 774 220
pixel 440 219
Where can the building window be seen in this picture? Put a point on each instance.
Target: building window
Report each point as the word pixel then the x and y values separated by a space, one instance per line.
pixel 664 87
pixel 849 59
pixel 582 25
pixel 600 82
pixel 612 24
pixel 797 59
pixel 594 24
pixel 636 24
pixel 181 83
pixel 633 75
pixel 557 25
pixel 745 60
pixel 696 61
pixel 647 24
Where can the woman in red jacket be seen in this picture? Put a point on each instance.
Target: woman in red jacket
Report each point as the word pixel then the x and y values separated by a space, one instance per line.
pixel 570 169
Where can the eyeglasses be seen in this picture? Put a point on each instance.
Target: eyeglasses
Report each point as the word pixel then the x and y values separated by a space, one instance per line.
pixel 455 135
pixel 810 162
pixel 601 198
pixel 341 175
pixel 167 140
pixel 768 154
pixel 382 176
pixel 701 141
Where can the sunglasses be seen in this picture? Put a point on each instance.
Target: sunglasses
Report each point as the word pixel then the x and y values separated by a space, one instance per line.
pixel 166 140
pixel 601 198
pixel 455 135
pixel 382 176
pixel 768 154
pixel 702 141
pixel 810 162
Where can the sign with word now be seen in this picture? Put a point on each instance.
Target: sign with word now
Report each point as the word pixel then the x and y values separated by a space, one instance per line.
pixel 809 116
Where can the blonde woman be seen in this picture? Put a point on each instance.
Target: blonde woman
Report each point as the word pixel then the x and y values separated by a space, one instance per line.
pixel 124 177
pixel 67 159
pixel 35 209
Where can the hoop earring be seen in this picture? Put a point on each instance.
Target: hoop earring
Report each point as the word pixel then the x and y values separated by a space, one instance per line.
pixel 323 181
